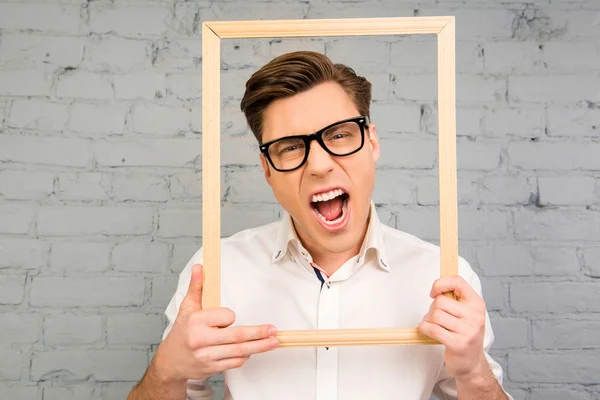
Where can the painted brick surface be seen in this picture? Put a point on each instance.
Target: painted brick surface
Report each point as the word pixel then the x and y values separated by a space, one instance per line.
pixel 101 174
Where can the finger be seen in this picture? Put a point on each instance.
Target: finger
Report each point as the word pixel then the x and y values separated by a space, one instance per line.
pixel 230 363
pixel 241 350
pixel 220 317
pixel 436 332
pixel 445 320
pixel 240 334
pixel 462 290
pixel 451 306
pixel 193 298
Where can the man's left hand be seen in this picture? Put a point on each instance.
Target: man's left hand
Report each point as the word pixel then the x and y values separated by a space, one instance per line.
pixel 459 325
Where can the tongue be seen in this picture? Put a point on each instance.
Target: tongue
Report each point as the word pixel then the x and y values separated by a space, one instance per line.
pixel 330 209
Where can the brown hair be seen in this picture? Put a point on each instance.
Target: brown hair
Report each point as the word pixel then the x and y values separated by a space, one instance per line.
pixel 294 73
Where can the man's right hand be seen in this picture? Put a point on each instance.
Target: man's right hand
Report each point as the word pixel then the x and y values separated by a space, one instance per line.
pixel 202 342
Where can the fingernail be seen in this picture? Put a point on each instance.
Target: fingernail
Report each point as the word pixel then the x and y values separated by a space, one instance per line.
pixel 272 331
pixel 274 342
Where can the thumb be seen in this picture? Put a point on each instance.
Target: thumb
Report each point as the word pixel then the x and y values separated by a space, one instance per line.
pixel 193 298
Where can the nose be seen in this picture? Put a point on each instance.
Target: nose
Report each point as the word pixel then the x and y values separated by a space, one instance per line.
pixel 319 162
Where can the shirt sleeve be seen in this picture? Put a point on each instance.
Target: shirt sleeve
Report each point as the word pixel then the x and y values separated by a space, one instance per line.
pixel 445 387
pixel 196 389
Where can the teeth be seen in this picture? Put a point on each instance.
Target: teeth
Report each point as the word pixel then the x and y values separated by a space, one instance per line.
pixel 335 221
pixel 332 194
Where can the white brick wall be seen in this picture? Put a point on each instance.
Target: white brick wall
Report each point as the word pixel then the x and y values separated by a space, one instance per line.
pixel 100 174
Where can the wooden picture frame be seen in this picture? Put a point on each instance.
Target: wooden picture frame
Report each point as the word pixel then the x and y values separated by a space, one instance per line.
pixel 212 33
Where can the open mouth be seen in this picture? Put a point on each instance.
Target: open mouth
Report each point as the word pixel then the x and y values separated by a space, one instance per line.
pixel 331 208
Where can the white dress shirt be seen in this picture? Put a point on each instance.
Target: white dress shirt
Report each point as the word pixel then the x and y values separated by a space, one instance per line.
pixel 267 277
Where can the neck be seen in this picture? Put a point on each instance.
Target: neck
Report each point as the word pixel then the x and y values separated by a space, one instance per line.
pixel 328 260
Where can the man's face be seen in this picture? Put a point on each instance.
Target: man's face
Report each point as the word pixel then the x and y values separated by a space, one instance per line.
pixel 336 225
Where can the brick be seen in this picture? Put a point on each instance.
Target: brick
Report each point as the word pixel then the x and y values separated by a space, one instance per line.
pixel 38 114
pixel 477 22
pixel 554 297
pixel 21 49
pixel 140 187
pixel 18 391
pixel 554 156
pixel 381 82
pixel 19 328
pixel 186 86
pixel 282 46
pixel 428 190
pixel 24 83
pixel 523 122
pixel 178 54
pixel 591 261
pixel 556 261
pixel 481 155
pixel 469 121
pixel 23 253
pixel 40 17
pixel 403 153
pixel 236 83
pixel 573 122
pixel 92 390
pixel 140 257
pixel 248 186
pixel 66 221
pixel 180 222
pixel 240 53
pixel 581 23
pixel 97 118
pixel 469 57
pixel 69 152
pixel 148 152
pixel 553 88
pixel 564 367
pixel 560 393
pixel 472 89
pixel 233 121
pixel 86 292
pixel 563 333
pixel 513 57
pixel 571 56
pixel 188 185
pixel 82 186
pixel 423 222
pixel 391 188
pixel 160 119
pixel 163 289
pixel 414 87
pixel 146 85
pixel 240 151
pixel 484 224
pixel 111 53
pixel 99 365
pixel 12 366
pixel 39 184
pixel 392 118
pixel 15 218
pixel 359 9
pixel 152 19
pixel 563 190
pixel 506 190
pixel 135 329
pixel 510 333
pixel 12 289
pixel 506 260
pixel 235 219
pixel 71 329
pixel 495 294
pixel 557 225
pixel 84 85
pixel 411 53
pixel 182 253
pixel 80 256
pixel 375 54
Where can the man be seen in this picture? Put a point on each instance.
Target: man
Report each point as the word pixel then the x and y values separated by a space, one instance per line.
pixel 329 263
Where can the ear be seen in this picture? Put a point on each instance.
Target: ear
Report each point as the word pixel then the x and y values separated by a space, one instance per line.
pixel 373 140
pixel 266 168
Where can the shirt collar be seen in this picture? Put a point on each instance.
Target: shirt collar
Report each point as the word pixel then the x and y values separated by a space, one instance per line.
pixel 373 239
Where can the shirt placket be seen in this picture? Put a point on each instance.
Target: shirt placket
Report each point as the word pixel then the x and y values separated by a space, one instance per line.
pixel 327 357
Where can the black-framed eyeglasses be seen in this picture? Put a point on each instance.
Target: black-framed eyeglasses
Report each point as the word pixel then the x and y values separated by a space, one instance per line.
pixel 339 139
